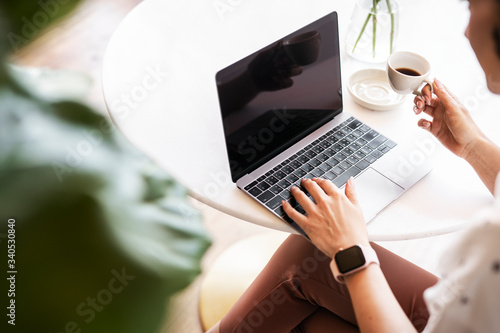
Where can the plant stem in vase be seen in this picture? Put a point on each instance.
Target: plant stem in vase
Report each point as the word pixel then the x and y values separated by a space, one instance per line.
pixel 364 44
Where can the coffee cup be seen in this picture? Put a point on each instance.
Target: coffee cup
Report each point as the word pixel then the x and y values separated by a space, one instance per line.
pixel 408 73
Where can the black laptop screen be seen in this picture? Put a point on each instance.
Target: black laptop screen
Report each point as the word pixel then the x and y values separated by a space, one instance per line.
pixel 279 94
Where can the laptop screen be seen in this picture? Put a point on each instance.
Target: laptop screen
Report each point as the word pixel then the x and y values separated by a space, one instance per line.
pixel 276 96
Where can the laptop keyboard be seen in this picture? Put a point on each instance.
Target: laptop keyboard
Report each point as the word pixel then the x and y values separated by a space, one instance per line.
pixel 338 155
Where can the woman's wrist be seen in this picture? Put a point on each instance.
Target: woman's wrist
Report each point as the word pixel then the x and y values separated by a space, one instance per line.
pixel 476 149
pixel 369 272
pixel 484 157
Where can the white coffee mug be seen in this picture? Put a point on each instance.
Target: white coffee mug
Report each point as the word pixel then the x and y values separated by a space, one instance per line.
pixel 408 73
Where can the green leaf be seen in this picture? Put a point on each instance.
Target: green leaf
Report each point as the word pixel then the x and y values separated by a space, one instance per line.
pixel 104 237
pixel 392 23
pixel 87 206
pixel 23 20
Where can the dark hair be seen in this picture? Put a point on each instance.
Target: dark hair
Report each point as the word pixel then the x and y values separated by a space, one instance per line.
pixel 496 33
pixel 496 37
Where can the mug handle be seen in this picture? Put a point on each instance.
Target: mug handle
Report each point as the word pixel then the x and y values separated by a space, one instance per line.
pixel 418 92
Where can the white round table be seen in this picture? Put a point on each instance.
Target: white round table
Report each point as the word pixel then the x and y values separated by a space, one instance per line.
pixel 159 86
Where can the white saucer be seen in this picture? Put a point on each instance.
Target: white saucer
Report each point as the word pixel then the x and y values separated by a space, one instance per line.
pixel 370 89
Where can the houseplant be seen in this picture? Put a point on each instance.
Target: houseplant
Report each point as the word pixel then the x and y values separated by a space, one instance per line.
pixel 102 237
pixel 373 31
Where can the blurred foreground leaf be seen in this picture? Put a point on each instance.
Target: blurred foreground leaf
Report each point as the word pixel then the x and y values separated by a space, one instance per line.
pixel 103 237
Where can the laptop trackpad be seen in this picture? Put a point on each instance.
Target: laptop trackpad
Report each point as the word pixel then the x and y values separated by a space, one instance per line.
pixel 375 191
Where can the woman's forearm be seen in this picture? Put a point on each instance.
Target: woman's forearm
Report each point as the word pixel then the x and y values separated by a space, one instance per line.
pixel 485 159
pixel 375 306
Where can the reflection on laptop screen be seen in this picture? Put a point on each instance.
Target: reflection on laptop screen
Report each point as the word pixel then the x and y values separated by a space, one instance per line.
pixel 279 94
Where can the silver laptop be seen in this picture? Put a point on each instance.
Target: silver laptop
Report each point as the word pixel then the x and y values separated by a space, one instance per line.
pixel 283 121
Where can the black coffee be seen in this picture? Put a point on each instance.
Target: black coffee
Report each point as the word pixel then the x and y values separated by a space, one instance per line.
pixel 408 71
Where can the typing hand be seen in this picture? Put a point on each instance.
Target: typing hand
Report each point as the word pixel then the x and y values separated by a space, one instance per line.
pixel 335 221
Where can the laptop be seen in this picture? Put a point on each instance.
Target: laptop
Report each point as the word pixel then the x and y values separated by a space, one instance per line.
pixel 283 121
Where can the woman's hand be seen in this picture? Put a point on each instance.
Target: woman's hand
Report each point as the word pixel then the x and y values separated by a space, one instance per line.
pixel 335 221
pixel 451 123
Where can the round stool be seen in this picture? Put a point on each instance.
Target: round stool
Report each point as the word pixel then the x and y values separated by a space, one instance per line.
pixel 233 272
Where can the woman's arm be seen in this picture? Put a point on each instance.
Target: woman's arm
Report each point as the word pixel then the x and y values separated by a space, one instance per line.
pixel 485 159
pixel 335 221
pixel 375 306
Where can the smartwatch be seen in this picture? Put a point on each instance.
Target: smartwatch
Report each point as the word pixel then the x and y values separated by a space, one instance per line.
pixel 352 260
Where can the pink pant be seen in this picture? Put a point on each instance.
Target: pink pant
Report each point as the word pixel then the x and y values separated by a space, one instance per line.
pixel 296 292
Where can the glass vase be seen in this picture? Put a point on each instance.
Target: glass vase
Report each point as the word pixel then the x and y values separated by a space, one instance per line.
pixel 373 31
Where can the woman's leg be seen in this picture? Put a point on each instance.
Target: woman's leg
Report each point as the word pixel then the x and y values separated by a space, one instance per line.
pixel 323 320
pixel 408 283
pixel 297 282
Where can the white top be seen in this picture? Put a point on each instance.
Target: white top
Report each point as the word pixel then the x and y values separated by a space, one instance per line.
pixel 467 298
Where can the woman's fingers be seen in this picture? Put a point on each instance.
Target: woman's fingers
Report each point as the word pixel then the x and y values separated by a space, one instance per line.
pixel 428 104
pixel 419 104
pixel 317 192
pixel 451 94
pixel 320 190
pixel 313 188
pixel 425 102
pixel 425 124
pixel 327 186
pixel 422 106
pixel 302 199
pixel 427 94
pixel 447 99
pixel 294 214
pixel 335 220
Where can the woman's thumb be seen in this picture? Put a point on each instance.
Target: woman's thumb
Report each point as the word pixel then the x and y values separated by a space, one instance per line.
pixel 350 192
pixel 444 95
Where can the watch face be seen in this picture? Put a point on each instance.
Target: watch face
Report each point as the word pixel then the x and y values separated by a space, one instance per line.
pixel 350 259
